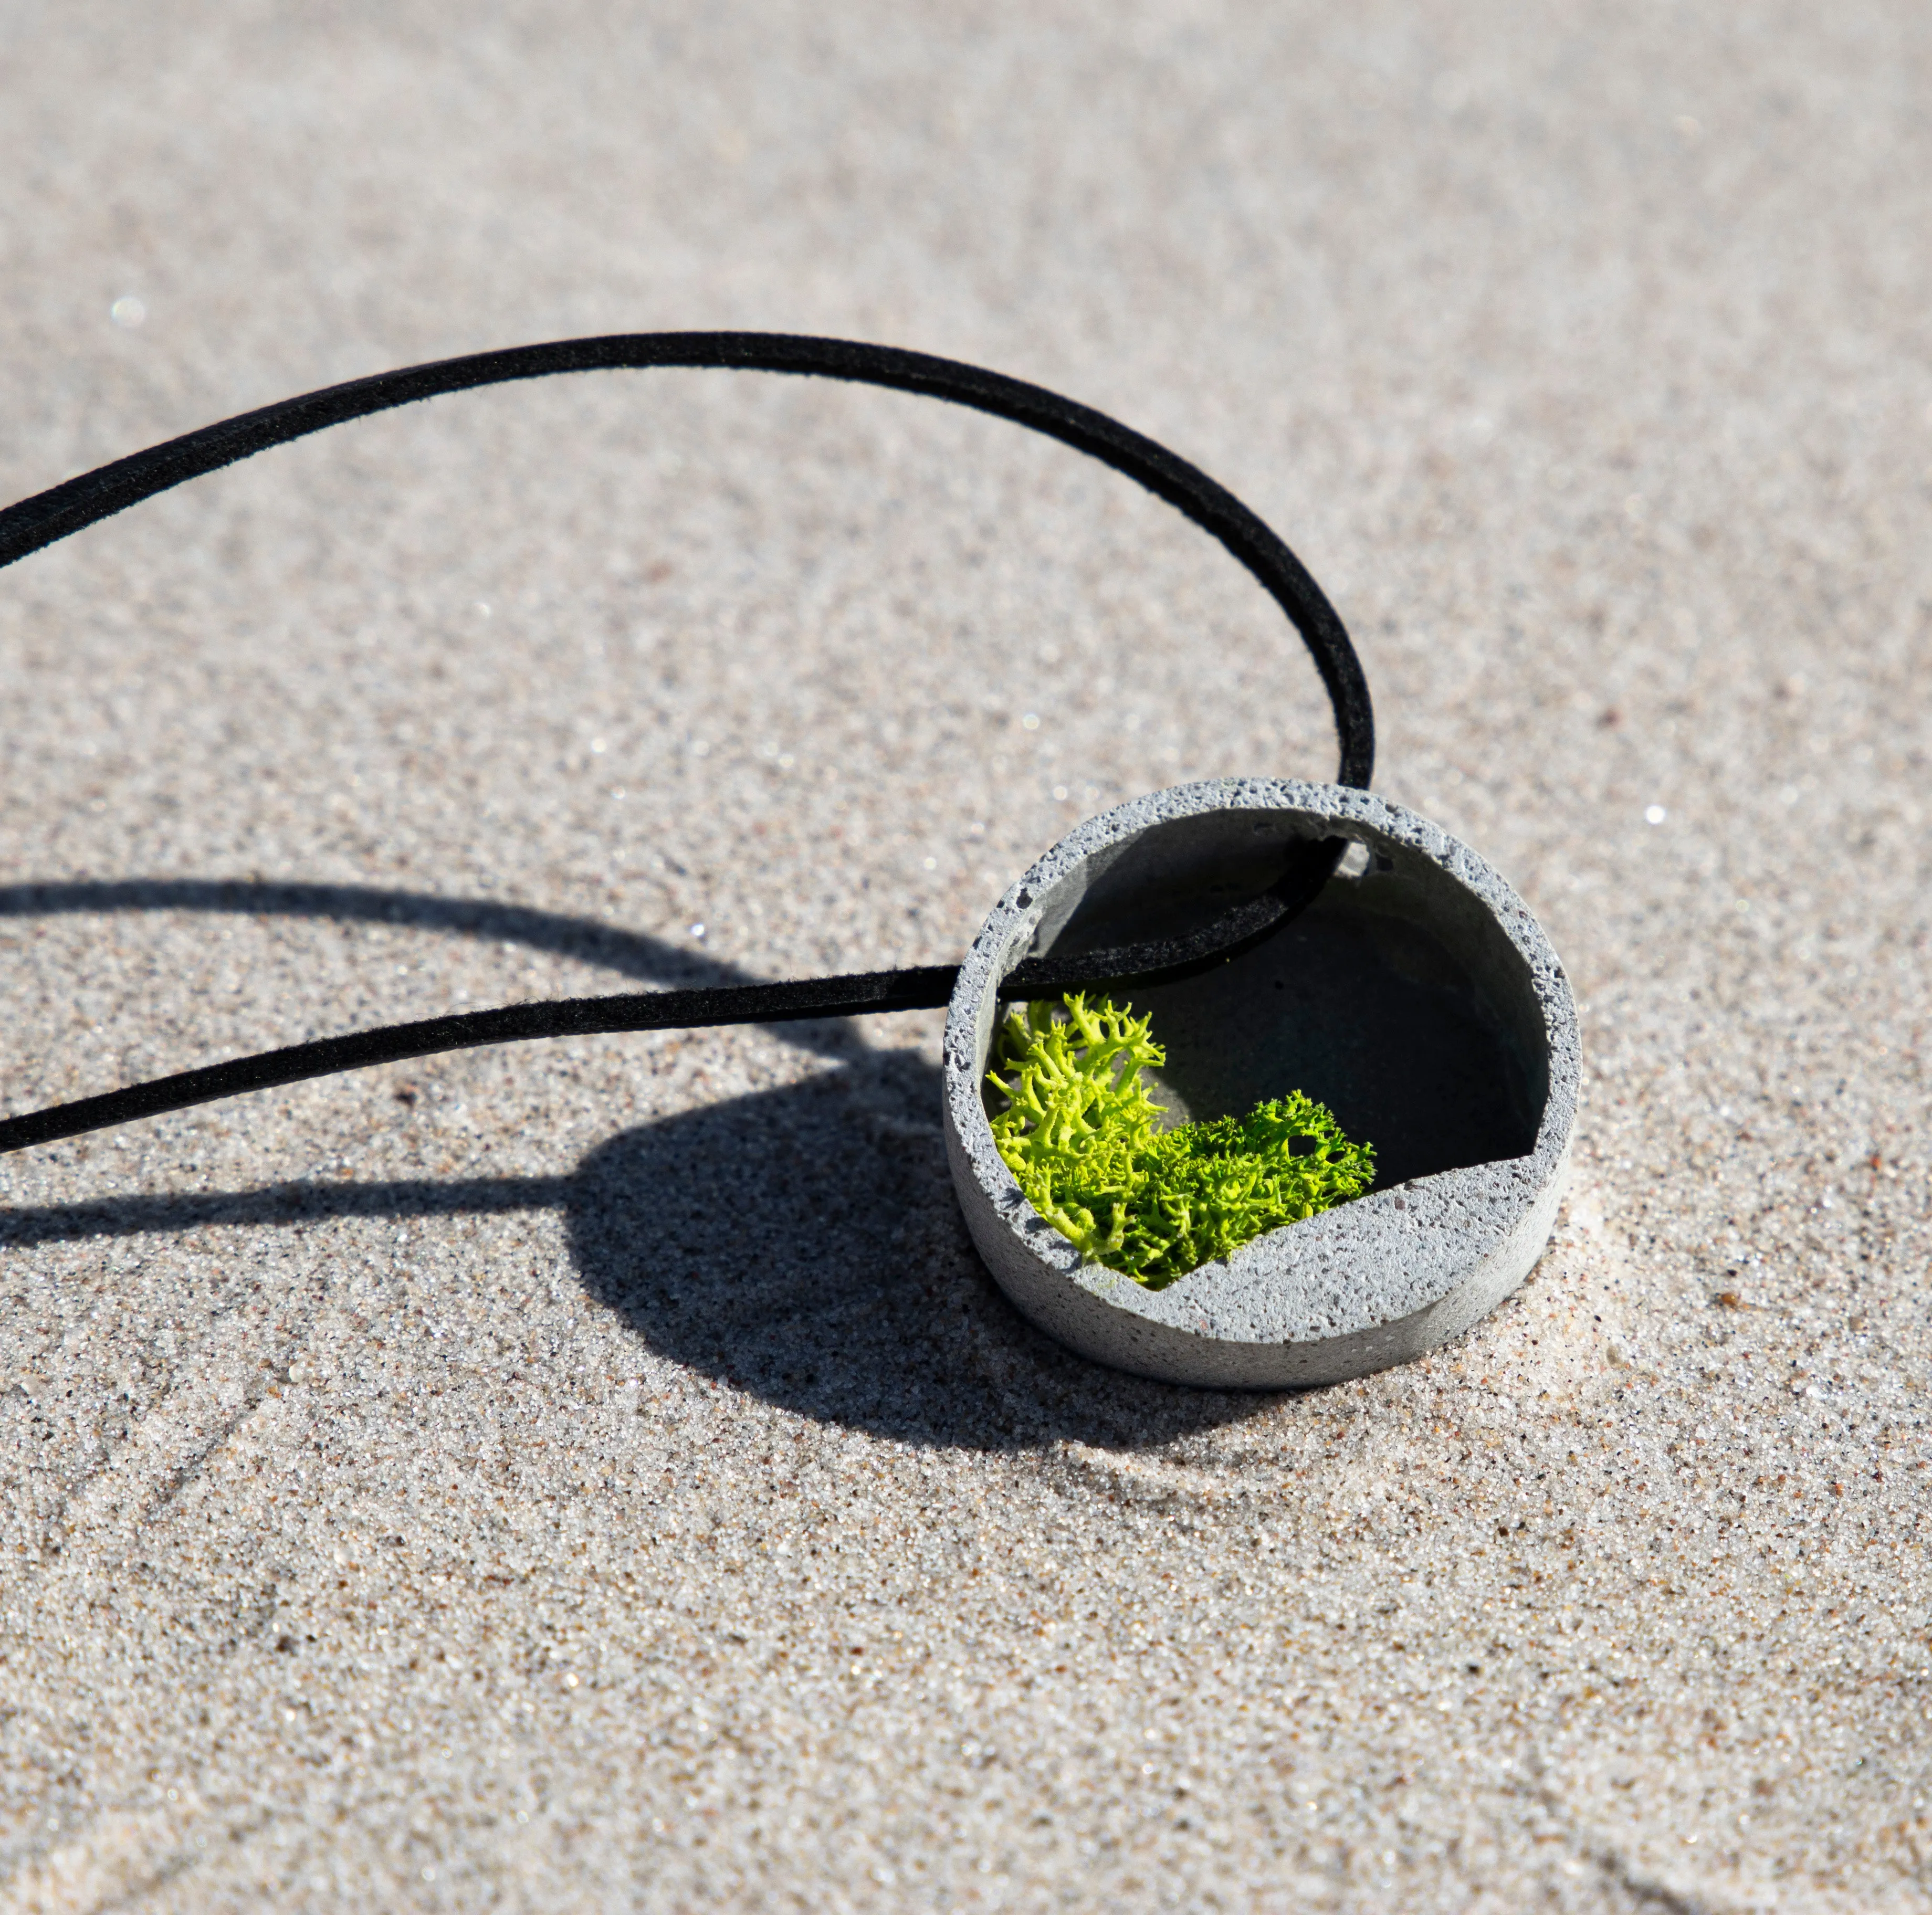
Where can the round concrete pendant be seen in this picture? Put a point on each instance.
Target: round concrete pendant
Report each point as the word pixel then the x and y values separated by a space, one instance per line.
pixel 1416 997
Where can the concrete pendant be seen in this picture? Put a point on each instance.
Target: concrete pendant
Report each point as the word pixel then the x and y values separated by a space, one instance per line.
pixel 1418 998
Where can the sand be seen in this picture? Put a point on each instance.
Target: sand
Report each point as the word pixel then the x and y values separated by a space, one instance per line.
pixel 599 1474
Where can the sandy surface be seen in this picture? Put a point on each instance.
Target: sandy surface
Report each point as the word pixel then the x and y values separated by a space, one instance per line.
pixel 599 1474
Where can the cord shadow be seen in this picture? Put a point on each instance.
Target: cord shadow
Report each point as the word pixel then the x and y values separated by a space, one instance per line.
pixel 273 1204
pixel 633 953
pixel 801 1244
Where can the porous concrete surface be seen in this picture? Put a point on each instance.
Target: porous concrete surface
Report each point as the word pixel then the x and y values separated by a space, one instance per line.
pixel 1377 1281
pixel 600 1474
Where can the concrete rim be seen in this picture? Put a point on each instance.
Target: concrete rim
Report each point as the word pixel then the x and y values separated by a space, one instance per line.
pixel 1369 1284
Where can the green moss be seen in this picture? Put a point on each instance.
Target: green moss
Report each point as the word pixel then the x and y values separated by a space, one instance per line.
pixel 1079 1134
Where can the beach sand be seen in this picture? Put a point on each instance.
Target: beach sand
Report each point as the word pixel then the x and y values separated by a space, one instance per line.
pixel 599 1474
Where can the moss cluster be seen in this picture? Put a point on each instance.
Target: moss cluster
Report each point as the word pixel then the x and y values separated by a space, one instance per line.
pixel 1079 1133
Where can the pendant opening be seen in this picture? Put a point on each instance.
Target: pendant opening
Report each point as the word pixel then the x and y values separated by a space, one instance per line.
pixel 1410 1014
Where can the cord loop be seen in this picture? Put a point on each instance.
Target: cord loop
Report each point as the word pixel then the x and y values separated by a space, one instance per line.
pixel 65 509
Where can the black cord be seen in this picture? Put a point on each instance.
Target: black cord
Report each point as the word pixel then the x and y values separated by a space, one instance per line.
pixel 67 508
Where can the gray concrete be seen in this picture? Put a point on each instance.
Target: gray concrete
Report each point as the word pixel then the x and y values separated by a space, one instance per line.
pixel 602 1474
pixel 1377 1281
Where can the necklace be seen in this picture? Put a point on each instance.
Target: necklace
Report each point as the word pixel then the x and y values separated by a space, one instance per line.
pixel 1424 989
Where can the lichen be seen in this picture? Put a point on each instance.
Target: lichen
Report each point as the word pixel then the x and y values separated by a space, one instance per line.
pixel 1080 1133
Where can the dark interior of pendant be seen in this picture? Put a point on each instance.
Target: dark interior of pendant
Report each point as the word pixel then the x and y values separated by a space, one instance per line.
pixel 1397 999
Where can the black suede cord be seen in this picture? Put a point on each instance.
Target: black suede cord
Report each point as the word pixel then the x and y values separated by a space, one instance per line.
pixel 67 508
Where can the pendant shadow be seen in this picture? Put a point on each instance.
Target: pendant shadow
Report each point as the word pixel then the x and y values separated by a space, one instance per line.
pixel 804 1245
